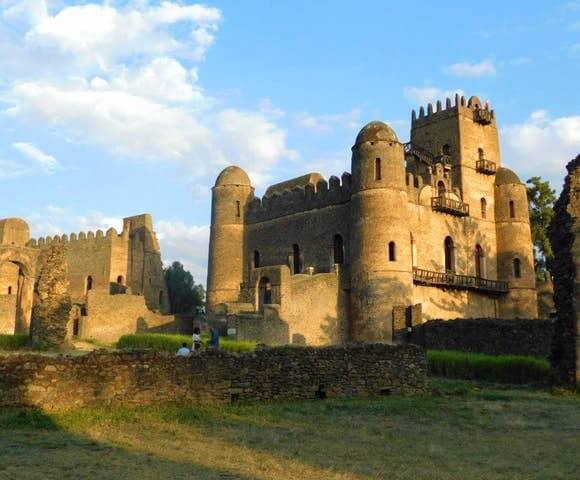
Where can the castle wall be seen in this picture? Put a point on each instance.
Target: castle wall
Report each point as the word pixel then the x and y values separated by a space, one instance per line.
pixel 9 273
pixel 8 313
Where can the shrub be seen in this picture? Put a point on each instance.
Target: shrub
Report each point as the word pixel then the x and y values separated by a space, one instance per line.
pixel 13 342
pixel 493 368
pixel 170 343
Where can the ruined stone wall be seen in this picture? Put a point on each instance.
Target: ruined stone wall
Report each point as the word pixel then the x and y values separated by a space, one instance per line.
pixel 486 335
pixel 144 378
pixel 7 313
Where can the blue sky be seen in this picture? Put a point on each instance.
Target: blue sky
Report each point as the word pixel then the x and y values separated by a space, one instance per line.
pixel 114 108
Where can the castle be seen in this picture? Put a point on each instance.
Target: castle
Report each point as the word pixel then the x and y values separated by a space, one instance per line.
pixel 435 228
pixel 116 280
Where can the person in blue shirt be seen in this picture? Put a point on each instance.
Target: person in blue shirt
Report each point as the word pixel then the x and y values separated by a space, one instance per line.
pixel 214 340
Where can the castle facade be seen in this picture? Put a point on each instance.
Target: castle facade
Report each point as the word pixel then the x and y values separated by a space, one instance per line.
pixel 435 228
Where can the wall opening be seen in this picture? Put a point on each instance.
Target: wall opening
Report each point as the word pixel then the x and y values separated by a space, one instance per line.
pixel 413 251
pixel 238 210
pixel 517 268
pixel 483 208
pixel 481 154
pixel 256 259
pixel 377 168
pixel 449 255
pixel 512 209
pixel 161 298
pixel 479 262
pixel 446 149
pixel 76 327
pixel 89 284
pixel 392 252
pixel 9 290
pixel 120 279
pixel 338 250
pixel 441 188
pixel 264 293
pixel 296 261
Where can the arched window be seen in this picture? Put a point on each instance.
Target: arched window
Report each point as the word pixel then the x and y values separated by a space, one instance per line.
pixel 9 290
pixel 483 208
pixel 479 262
pixel 264 293
pixel 256 259
pixel 238 212
pixel 446 149
pixel 89 283
pixel 517 268
pixel 120 279
pixel 481 153
pixel 512 209
pixel 441 188
pixel 338 250
pixel 449 255
pixel 377 169
pixel 296 262
pixel 392 252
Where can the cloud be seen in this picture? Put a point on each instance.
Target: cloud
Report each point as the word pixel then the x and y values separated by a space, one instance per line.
pixel 542 144
pixel 467 69
pixel 46 162
pixel 422 95
pixel 11 169
pixel 327 122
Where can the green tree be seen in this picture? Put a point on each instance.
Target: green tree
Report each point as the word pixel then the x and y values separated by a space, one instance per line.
pixel 184 294
pixel 541 199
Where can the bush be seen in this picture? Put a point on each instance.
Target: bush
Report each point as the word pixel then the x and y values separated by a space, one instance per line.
pixel 13 342
pixel 170 343
pixel 492 368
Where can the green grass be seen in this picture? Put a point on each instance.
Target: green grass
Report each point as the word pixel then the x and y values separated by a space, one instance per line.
pixel 170 343
pixel 491 368
pixel 469 430
pixel 18 341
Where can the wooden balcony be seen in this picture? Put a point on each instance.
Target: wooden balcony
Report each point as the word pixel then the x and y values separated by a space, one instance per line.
pixel 486 167
pixel 461 282
pixel 449 205
pixel 482 116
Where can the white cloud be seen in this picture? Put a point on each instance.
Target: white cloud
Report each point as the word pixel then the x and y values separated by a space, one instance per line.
pixel 542 145
pixel 467 69
pixel 11 169
pixel 327 122
pixel 422 95
pixel 46 162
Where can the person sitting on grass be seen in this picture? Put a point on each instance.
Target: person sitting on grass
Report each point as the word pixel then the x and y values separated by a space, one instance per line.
pixel 183 351
pixel 196 347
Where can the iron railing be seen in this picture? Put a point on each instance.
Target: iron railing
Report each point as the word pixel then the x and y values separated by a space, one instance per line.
pixel 485 166
pixel 449 205
pixel 463 282
pixel 422 154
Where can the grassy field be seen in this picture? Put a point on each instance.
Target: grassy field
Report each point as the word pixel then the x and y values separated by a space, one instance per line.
pixel 170 343
pixel 464 431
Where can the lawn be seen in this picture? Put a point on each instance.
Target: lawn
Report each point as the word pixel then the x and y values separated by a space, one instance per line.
pixel 463 431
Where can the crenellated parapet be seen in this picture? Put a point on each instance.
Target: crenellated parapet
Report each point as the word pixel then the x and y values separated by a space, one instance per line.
pixel 300 199
pixel 75 238
pixel 472 108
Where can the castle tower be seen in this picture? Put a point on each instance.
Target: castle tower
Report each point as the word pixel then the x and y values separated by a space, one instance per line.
pixel 381 266
pixel 515 258
pixel 230 196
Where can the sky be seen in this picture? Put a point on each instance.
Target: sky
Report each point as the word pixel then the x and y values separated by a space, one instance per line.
pixel 114 108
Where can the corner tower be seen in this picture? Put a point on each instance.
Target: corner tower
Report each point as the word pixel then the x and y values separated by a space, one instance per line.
pixel 230 196
pixel 381 271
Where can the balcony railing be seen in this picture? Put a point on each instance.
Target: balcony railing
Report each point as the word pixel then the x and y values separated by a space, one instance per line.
pixel 449 205
pixel 482 116
pixel 485 166
pixel 462 282
pixel 421 153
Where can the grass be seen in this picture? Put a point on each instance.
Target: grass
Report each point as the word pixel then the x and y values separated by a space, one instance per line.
pixel 17 341
pixel 492 368
pixel 467 430
pixel 170 343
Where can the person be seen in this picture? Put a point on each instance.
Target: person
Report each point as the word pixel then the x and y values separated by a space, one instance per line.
pixel 196 346
pixel 183 351
pixel 214 340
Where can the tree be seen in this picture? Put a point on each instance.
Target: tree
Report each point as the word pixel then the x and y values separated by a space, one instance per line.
pixel 541 199
pixel 184 294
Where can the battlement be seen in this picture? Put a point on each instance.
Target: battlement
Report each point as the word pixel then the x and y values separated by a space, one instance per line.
pixel 88 237
pixel 300 199
pixel 473 108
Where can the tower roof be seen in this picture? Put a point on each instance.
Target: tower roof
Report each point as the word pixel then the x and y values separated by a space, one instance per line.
pixel 376 131
pixel 232 175
pixel 505 176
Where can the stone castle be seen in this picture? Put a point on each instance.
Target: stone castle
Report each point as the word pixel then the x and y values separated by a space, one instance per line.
pixel 116 280
pixel 434 228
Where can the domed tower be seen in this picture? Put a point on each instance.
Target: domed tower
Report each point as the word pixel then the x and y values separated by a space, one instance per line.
pixel 381 267
pixel 515 257
pixel 230 196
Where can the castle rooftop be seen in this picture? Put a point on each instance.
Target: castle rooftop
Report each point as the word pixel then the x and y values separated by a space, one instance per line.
pixel 375 132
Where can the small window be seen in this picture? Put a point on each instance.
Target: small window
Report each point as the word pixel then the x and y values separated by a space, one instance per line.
pixel 9 290
pixel 89 283
pixel 120 279
pixel 446 150
pixel 441 188
pixel 392 252
pixel 377 169
pixel 483 208
pixel 338 250
pixel 256 259
pixel 517 268
pixel 449 255
pixel 238 212
pixel 512 209
pixel 479 262
pixel 481 153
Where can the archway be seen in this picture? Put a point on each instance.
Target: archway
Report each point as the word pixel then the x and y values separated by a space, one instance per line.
pixel 449 255
pixel 264 293
pixel 296 262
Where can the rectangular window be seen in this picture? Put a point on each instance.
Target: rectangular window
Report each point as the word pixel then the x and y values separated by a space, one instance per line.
pixel 238 208
pixel 377 169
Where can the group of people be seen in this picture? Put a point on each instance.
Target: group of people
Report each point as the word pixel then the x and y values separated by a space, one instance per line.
pixel 214 342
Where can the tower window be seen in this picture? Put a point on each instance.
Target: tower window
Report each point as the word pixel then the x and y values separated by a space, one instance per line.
pixel 481 153
pixel 517 268
pixel 446 149
pixel 256 259
pixel 120 279
pixel 449 255
pixel 338 250
pixel 441 188
pixel 238 212
pixel 392 252
pixel 377 169
pixel 479 262
pixel 512 209
pixel 264 293
pixel 9 290
pixel 296 262
pixel 89 283
pixel 483 208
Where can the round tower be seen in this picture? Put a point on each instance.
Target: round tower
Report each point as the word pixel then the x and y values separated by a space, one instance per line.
pixel 381 266
pixel 515 257
pixel 230 196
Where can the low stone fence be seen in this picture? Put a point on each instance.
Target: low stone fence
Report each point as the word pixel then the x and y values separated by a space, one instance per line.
pixel 147 377
pixel 486 335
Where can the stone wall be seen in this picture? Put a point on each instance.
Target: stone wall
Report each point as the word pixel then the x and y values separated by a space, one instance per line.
pixel 141 378
pixel 7 313
pixel 485 335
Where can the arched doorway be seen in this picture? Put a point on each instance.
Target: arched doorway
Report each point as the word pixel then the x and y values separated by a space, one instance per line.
pixel 89 284
pixel 441 188
pixel 449 255
pixel 23 262
pixel 264 293
pixel 120 279
pixel 479 262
